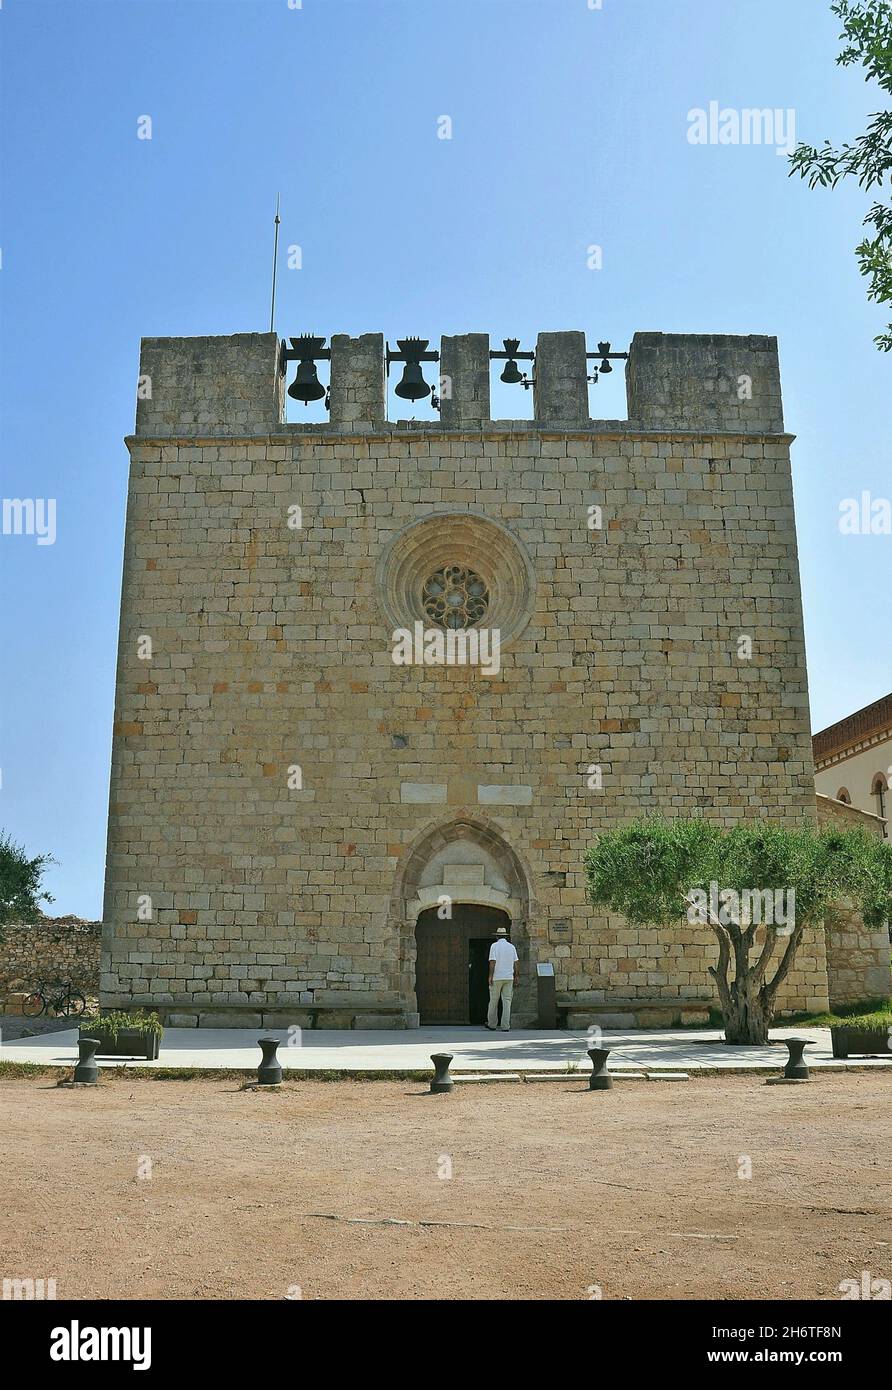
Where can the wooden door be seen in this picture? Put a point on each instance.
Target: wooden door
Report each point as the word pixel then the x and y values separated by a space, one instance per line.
pixel 478 978
pixel 445 959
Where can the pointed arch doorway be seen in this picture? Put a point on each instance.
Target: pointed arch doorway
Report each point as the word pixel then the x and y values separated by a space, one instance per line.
pixel 452 963
pixel 467 862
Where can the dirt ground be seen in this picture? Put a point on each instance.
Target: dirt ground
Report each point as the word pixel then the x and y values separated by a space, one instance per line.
pixel 554 1191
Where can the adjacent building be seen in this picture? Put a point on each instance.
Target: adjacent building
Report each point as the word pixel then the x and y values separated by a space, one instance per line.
pixel 853 760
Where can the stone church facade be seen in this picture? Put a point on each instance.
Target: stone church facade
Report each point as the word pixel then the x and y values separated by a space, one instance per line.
pixel 304 830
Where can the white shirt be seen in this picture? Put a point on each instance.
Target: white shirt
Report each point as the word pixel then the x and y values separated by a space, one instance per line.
pixel 504 955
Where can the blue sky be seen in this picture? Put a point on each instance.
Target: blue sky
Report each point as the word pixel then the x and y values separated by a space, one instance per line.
pixel 569 129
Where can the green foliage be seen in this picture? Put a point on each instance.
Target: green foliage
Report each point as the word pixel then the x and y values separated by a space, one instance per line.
pixel 866 1013
pixel 111 1024
pixel 645 870
pixel 20 883
pixel 867 31
pixel 867 1025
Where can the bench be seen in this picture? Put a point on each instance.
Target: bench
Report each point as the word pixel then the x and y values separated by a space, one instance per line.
pixel 633 1013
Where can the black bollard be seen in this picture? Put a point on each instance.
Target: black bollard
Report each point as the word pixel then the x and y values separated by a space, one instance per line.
pixel 600 1079
pixel 796 1070
pixel 86 1073
pixel 269 1073
pixel 441 1080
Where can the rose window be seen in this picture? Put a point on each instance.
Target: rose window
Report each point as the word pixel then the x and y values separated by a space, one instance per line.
pixel 455 597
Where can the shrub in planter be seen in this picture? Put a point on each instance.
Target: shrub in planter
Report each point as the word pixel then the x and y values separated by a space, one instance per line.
pixel 124 1034
pixel 867 1038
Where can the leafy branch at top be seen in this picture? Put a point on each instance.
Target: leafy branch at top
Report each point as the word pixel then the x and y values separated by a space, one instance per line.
pixel 867 32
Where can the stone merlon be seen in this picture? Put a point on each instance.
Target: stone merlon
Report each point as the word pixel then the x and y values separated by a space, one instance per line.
pixel 675 382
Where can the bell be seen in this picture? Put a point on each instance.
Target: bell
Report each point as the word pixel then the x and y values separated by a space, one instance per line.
pixel 605 366
pixel 306 386
pixel 512 373
pixel 412 385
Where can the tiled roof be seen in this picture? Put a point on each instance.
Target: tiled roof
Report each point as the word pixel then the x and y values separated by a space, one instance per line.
pixel 864 724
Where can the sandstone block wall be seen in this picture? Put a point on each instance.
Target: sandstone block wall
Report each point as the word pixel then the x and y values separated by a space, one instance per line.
pixel 211 386
pixel 271 650
pixel 711 381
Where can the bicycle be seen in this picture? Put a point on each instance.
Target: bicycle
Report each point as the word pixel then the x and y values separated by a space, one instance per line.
pixel 67 1003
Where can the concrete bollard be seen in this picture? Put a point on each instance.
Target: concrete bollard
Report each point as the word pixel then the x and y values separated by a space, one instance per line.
pixel 600 1079
pixel 86 1072
pixel 269 1073
pixel 441 1080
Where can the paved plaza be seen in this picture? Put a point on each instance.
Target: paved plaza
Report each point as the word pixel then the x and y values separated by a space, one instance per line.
pixel 474 1049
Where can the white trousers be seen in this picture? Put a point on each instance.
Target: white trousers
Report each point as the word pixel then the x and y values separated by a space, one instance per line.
pixel 504 990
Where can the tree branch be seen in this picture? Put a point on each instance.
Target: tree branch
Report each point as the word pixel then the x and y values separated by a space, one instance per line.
pixel 770 990
pixel 719 971
pixel 764 956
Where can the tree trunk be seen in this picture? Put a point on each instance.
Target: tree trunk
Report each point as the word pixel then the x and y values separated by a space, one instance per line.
pixel 746 1018
pixel 748 1003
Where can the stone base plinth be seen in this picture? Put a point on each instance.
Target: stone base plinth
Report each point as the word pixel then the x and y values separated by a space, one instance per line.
pixel 632 1013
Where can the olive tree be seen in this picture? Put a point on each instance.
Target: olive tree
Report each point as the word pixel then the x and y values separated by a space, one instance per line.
pixel 756 887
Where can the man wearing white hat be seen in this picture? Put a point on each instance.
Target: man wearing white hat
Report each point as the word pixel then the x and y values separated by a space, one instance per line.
pixel 502 979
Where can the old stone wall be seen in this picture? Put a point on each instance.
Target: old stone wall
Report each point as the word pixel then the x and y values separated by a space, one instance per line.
pixel 65 948
pixel 274 771
pixel 717 381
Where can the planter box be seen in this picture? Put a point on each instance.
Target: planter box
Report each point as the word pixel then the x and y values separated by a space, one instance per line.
pixel 862 1041
pixel 132 1043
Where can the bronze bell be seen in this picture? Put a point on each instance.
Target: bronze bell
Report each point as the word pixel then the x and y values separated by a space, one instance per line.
pixel 512 373
pixel 306 385
pixel 605 366
pixel 412 385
